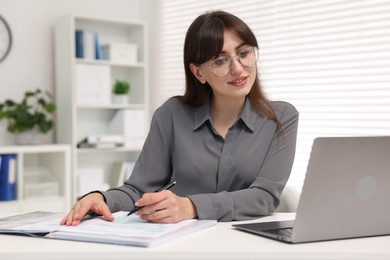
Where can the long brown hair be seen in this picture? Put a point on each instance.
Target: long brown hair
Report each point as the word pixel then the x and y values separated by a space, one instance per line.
pixel 204 40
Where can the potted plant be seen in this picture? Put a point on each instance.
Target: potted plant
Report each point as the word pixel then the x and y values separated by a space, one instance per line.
pixel 31 118
pixel 121 92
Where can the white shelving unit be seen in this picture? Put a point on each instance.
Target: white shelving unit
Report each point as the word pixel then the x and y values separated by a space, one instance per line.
pixel 54 158
pixel 75 120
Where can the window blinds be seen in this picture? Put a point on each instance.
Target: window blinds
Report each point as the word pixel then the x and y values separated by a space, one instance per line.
pixel 329 58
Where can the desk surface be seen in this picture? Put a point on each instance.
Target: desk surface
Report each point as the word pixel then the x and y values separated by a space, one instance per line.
pixel 218 242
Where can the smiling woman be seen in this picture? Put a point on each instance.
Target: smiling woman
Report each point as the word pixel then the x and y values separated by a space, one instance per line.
pixel 5 39
pixel 229 149
pixel 331 59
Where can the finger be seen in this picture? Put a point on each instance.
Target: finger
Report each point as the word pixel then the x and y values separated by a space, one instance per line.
pixel 161 217
pixel 64 219
pixel 107 213
pixel 152 208
pixel 152 198
pixel 69 219
pixel 146 199
pixel 159 211
pixel 81 211
pixel 153 215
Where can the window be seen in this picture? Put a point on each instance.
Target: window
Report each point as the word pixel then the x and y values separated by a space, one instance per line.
pixel 329 58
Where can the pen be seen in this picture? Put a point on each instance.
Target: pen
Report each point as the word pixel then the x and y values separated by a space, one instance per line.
pixel 166 187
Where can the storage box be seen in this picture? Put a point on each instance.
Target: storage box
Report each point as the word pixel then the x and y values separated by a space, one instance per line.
pixel 39 182
pixel 131 123
pixel 93 84
pixel 121 52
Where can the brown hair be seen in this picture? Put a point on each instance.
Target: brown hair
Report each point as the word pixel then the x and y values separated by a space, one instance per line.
pixel 204 40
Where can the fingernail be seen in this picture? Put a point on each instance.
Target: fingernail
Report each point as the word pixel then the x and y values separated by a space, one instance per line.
pixel 136 203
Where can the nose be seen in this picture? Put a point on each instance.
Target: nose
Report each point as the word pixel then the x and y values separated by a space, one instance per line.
pixel 236 66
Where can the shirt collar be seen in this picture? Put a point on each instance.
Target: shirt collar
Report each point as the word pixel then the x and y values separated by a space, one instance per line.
pixel 248 115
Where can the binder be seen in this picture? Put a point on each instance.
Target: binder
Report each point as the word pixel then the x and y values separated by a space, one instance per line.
pixel 79 44
pixel 8 177
pixel 85 45
pixel 98 48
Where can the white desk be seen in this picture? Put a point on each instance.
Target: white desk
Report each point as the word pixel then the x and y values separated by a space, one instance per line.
pixel 218 242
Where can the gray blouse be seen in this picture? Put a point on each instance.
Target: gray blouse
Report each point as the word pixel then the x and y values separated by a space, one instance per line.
pixel 238 178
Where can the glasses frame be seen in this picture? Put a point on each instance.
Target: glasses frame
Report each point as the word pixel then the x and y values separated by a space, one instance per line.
pixel 235 57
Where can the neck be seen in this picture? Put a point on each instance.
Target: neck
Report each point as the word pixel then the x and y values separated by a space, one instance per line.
pixel 226 111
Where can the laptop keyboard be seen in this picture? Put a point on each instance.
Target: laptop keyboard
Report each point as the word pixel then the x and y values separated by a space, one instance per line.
pixel 280 231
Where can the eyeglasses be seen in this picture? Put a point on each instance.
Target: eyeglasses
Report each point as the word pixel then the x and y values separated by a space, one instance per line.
pixel 222 65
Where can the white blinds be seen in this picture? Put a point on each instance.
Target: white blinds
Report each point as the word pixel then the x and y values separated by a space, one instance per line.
pixel 329 58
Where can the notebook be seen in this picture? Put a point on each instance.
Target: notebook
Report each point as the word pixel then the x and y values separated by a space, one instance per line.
pixel 346 193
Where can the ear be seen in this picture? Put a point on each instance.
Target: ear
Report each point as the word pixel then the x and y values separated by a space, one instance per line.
pixel 197 73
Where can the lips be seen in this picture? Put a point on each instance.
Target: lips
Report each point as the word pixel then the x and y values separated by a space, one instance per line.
pixel 239 82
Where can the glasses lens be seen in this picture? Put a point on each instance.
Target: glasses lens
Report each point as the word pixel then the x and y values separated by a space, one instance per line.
pixel 247 56
pixel 222 65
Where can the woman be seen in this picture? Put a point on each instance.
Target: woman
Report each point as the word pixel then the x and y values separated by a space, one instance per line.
pixel 228 147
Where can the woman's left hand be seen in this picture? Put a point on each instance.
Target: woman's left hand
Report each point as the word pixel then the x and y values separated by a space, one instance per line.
pixel 165 207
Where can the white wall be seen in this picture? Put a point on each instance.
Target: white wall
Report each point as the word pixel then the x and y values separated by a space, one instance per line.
pixel 30 64
pixel 150 11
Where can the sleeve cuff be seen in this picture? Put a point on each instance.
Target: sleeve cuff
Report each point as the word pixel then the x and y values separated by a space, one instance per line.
pixel 95 191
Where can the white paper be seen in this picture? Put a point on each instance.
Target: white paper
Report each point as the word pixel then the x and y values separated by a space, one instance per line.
pixel 124 230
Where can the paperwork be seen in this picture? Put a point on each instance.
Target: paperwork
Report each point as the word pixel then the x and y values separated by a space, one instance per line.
pixel 124 230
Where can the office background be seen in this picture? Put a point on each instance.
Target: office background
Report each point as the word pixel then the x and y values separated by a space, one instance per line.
pixel 329 58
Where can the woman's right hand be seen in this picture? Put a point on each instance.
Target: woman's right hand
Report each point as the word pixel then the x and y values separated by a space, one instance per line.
pixel 92 203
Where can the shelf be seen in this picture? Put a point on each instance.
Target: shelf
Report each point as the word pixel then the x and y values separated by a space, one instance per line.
pixel 85 102
pixel 46 148
pixel 112 106
pixel 108 150
pixel 51 158
pixel 109 63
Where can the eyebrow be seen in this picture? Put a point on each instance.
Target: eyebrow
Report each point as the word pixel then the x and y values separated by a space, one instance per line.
pixel 237 48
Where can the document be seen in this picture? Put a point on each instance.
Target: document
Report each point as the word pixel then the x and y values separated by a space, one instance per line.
pixel 124 230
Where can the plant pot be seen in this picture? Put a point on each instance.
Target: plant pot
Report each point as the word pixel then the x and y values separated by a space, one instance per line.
pixel 33 136
pixel 120 99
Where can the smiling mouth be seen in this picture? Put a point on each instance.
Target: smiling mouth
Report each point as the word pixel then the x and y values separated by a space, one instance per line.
pixel 239 81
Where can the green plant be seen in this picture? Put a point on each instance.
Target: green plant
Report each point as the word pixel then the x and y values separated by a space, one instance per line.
pixel 121 87
pixel 34 110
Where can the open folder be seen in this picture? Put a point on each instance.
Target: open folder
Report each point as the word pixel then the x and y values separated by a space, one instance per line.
pixel 124 230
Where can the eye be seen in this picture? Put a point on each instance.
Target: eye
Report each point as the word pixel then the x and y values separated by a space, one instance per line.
pixel 221 61
pixel 243 53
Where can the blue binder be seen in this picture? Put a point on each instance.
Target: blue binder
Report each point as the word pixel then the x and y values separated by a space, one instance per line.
pixel 99 52
pixel 80 44
pixel 8 177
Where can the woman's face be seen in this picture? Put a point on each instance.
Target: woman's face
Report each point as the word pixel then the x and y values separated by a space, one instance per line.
pixel 238 81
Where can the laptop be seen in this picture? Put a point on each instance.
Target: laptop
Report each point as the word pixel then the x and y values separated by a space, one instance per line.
pixel 346 193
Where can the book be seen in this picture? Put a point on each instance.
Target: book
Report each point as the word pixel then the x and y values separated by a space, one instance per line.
pixel 84 144
pixel 95 139
pixel 85 44
pixel 124 230
pixel 98 47
pixel 79 44
pixel 8 177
